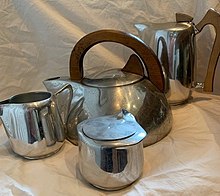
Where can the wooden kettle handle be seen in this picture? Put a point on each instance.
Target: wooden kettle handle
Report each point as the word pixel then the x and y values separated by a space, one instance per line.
pixel 148 57
pixel 212 17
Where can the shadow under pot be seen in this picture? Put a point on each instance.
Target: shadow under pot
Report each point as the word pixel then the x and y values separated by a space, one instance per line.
pixel 111 150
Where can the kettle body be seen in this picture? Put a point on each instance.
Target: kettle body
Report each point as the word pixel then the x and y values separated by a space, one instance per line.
pixel 142 99
pixel 129 89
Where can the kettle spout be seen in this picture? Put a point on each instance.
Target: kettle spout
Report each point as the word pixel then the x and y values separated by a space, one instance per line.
pixel 53 84
pixel 63 93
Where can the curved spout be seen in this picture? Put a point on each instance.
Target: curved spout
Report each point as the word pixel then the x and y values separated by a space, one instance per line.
pixel 63 92
pixel 65 107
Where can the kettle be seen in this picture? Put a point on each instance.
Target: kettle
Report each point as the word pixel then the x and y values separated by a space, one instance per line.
pixel 174 44
pixel 129 88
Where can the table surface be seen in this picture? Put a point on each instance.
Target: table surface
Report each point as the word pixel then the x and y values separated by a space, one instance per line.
pixel 185 162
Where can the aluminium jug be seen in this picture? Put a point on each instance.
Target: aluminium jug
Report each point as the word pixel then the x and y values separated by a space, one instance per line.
pixel 174 44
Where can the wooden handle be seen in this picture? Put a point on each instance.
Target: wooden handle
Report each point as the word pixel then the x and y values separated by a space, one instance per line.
pixel 212 17
pixel 148 57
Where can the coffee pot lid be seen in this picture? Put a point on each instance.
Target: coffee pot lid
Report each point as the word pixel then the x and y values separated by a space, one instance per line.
pixel 172 26
pixel 113 127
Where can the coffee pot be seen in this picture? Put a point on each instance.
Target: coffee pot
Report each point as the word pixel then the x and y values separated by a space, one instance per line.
pixel 174 44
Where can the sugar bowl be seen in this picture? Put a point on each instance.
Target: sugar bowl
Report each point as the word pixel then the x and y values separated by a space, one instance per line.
pixel 111 150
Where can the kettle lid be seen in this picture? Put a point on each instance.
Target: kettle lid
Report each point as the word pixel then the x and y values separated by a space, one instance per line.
pixel 112 78
pixel 113 127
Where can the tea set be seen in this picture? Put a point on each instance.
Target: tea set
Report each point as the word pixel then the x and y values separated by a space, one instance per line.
pixel 113 117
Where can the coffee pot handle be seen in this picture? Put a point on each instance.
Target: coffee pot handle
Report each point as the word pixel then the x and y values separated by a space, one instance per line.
pixel 145 53
pixel 212 17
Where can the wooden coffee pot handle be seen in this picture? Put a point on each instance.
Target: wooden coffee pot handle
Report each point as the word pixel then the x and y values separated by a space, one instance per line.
pixel 212 17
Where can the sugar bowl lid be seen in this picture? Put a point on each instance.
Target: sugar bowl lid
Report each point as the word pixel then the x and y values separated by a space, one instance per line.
pixel 122 126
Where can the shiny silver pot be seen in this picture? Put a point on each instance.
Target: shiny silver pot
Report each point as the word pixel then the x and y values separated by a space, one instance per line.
pixel 174 44
pixel 127 88
pixel 33 123
pixel 111 150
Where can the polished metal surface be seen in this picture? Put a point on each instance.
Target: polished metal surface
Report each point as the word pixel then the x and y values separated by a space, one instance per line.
pixel 122 127
pixel 142 99
pixel 174 45
pixel 110 80
pixel 128 88
pixel 33 123
pixel 113 163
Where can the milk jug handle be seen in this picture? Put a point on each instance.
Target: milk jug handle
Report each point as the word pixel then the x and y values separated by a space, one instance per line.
pixel 212 17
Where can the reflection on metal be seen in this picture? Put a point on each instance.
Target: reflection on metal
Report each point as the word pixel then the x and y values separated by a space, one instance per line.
pixel 33 124
pixel 111 148
pixel 128 88
pixel 174 44
pixel 142 99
